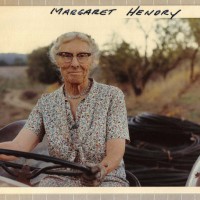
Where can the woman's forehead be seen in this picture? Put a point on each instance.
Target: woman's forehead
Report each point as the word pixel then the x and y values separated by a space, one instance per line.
pixel 75 46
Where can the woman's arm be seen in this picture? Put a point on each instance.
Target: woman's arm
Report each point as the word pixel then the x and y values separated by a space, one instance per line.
pixel 115 149
pixel 26 140
pixel 30 135
pixel 117 134
pixel 117 131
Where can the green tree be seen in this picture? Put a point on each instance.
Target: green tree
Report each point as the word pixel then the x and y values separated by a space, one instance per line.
pixel 170 48
pixel 180 41
pixel 130 64
pixel 121 64
pixel 194 34
pixel 40 67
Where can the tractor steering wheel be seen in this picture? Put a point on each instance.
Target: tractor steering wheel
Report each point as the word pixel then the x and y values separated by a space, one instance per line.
pixel 24 173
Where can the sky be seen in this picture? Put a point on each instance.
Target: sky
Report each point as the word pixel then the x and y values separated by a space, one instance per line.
pixel 24 29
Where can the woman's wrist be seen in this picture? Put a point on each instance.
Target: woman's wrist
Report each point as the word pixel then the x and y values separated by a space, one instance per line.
pixel 106 166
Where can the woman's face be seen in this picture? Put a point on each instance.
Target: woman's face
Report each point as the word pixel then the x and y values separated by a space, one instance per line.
pixel 74 60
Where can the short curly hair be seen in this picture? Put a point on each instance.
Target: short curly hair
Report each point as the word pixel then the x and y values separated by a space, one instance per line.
pixel 67 37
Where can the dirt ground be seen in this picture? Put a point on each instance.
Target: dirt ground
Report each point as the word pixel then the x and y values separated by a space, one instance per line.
pixel 11 113
pixel 13 84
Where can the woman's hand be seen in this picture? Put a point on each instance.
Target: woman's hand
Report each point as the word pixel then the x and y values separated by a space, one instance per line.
pixel 95 178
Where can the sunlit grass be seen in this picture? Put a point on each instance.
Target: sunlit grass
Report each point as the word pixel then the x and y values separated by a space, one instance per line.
pixel 160 92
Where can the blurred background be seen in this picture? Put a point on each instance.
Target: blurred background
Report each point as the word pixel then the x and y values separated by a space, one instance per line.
pixel 156 62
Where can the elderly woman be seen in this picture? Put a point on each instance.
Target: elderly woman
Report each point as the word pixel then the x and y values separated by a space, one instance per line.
pixel 84 121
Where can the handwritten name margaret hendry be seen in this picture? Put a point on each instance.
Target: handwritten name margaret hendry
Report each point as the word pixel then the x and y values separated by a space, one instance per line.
pixel 138 11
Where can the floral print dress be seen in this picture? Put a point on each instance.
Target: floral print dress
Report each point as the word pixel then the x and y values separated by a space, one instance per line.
pixel 101 116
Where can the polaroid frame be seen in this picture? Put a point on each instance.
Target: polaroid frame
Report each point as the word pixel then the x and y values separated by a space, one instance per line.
pixel 118 9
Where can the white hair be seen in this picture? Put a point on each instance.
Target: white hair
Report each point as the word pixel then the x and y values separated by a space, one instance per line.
pixel 67 37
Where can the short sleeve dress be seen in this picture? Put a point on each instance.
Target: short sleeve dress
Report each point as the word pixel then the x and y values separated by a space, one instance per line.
pixel 100 117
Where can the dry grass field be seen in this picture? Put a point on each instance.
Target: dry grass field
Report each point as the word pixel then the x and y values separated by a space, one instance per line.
pixel 13 103
pixel 168 96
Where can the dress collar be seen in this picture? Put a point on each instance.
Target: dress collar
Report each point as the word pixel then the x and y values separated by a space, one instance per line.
pixel 91 93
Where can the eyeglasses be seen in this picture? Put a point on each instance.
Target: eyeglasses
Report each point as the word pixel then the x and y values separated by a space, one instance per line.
pixel 68 57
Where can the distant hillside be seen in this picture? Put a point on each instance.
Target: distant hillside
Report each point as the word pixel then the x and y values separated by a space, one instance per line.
pixel 13 59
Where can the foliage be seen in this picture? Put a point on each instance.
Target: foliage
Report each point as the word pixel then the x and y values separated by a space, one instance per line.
pixel 194 34
pixel 122 64
pixel 170 50
pixel 195 29
pixel 128 64
pixel 40 67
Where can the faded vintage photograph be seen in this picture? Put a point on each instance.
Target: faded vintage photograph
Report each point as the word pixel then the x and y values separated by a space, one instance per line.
pixel 98 102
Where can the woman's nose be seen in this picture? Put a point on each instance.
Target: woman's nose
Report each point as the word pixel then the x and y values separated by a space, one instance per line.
pixel 75 62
